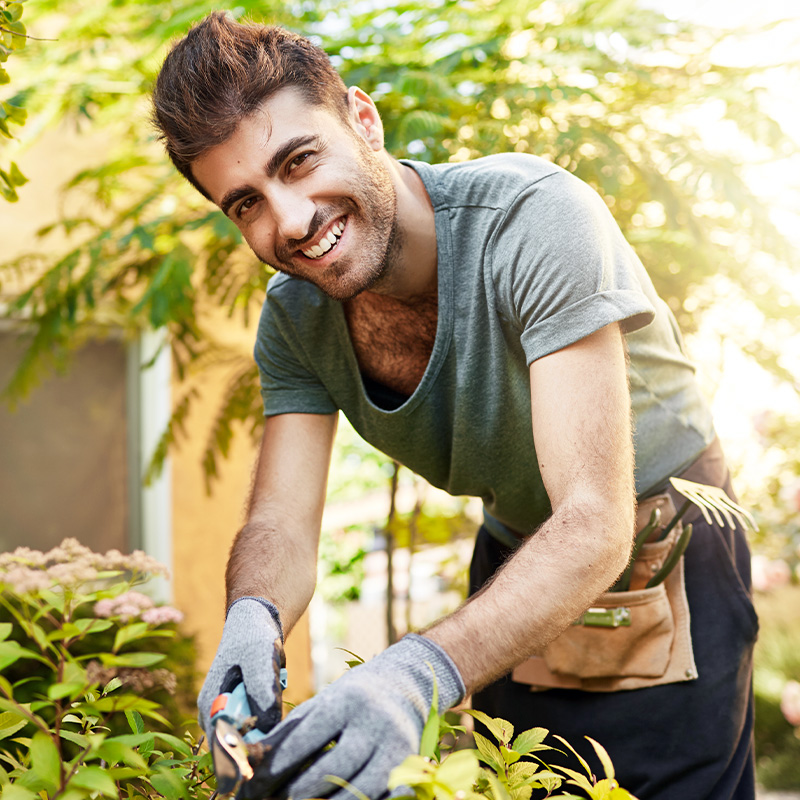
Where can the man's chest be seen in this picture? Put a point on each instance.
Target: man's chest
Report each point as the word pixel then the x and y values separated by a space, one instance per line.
pixel 392 340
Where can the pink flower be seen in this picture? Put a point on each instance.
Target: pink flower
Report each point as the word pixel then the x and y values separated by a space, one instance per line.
pixel 125 606
pixel 161 615
pixel 768 574
pixel 790 702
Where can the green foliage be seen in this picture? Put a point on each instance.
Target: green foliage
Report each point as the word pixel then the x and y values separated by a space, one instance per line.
pixel 509 772
pixel 76 666
pixel 13 37
pixel 610 91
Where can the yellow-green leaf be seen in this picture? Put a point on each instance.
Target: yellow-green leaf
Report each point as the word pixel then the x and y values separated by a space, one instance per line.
pixel 10 723
pixel 95 779
pixel 605 759
pixel 488 753
pixel 45 760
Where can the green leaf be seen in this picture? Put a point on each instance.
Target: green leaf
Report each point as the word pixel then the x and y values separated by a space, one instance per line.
pixel 74 737
pixel 131 659
pixel 501 729
pixel 178 745
pixel 458 771
pixel 5 630
pixel 96 779
pixel 10 723
pixel 18 792
pixel 112 685
pixel 72 690
pixel 530 741
pixel 429 743
pixel 577 778
pixel 509 756
pixel 415 770
pixel 566 744
pixel 169 785
pixel 129 633
pixel 489 754
pixel 11 652
pixel 135 721
pixel 114 752
pixel 45 760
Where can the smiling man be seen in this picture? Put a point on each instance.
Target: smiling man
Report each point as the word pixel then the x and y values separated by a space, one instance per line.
pixel 487 325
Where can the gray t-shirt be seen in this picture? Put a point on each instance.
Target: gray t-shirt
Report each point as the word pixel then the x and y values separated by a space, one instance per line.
pixel 529 261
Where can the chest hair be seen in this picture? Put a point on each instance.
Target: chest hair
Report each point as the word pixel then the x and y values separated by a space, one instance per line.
pixel 392 339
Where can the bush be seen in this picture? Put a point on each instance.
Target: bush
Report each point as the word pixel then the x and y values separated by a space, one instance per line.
pixel 777 666
pixel 78 676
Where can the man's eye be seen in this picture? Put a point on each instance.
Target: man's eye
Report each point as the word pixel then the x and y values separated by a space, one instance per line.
pixel 245 206
pixel 298 160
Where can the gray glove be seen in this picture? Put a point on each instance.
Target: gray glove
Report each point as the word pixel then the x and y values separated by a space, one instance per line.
pixel 375 713
pixel 251 652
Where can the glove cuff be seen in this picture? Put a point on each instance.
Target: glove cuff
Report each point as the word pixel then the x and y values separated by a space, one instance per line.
pixel 269 606
pixel 449 683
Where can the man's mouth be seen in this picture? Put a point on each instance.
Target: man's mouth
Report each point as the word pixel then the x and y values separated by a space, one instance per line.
pixel 328 241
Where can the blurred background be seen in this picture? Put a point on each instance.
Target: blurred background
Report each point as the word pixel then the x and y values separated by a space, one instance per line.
pixel 130 404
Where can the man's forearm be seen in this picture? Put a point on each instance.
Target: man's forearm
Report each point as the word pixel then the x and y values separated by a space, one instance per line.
pixel 277 564
pixel 555 576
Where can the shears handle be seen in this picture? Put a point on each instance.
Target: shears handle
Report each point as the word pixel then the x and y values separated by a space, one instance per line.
pixel 231 706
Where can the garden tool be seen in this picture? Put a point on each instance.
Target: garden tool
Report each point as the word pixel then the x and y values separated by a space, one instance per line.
pixel 711 501
pixel 232 729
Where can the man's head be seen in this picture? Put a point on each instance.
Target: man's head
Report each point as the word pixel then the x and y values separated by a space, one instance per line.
pixel 222 72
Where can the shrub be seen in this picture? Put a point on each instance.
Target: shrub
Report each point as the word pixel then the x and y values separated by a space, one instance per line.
pixel 79 674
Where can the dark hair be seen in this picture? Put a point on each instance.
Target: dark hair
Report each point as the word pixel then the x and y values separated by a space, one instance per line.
pixel 222 71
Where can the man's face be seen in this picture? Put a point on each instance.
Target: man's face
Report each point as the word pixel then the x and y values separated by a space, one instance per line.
pixel 310 196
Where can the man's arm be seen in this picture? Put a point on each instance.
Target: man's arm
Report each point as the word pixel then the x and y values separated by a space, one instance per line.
pixel 275 554
pixel 582 432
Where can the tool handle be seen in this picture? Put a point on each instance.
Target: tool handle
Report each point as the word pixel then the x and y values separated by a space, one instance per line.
pixel 231 706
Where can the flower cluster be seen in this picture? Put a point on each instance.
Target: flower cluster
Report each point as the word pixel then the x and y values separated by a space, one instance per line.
pixel 130 605
pixel 69 565
pixel 138 679
pixel 769 573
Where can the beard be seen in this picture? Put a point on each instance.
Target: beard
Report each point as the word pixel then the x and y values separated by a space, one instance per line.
pixel 371 210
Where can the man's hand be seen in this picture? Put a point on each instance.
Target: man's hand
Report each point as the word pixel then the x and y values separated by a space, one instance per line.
pixel 251 652
pixel 374 713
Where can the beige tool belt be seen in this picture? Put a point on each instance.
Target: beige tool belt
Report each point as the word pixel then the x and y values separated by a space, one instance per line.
pixel 626 640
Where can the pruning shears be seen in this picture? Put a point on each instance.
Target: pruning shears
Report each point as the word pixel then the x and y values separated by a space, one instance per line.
pixel 232 730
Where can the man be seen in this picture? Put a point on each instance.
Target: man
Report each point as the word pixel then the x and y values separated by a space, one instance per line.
pixel 475 322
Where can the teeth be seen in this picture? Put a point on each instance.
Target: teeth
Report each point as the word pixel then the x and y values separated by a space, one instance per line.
pixel 327 242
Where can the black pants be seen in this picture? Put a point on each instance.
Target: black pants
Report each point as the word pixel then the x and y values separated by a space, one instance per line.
pixel 683 741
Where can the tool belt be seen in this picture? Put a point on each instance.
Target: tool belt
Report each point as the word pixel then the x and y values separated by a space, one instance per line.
pixel 637 638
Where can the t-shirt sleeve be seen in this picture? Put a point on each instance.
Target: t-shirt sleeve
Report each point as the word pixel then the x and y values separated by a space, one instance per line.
pixel 287 384
pixel 563 269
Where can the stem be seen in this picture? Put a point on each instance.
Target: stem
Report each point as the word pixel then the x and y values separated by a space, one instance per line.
pixel 391 633
pixel 65 781
pixel 26 36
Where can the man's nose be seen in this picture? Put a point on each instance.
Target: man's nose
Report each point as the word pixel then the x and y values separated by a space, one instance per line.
pixel 293 213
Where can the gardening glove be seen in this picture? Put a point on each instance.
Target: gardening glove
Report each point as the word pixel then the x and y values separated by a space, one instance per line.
pixel 251 652
pixel 374 713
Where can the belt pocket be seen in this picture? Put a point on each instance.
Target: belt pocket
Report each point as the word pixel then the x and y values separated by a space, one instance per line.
pixel 627 640
pixel 624 634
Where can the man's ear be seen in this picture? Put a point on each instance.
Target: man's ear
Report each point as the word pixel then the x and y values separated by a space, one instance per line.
pixel 365 118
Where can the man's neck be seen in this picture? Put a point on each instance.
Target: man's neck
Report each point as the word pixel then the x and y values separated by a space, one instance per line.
pixel 414 272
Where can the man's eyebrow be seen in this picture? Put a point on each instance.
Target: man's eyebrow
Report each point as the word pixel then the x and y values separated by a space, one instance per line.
pixel 273 165
pixel 233 196
pixel 286 149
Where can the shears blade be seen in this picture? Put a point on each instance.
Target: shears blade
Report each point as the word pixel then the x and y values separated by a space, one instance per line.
pixel 230 758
